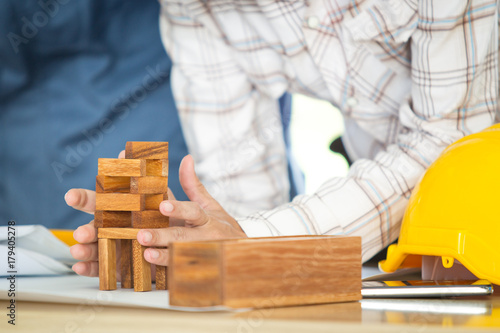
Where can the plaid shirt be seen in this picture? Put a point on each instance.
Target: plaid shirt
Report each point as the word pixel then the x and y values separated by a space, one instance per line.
pixel 409 76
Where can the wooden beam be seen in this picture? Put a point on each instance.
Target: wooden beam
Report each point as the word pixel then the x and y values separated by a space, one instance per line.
pixel 117 233
pixel 109 184
pixel 112 219
pixel 146 150
pixel 126 264
pixel 149 219
pixel 119 201
pixel 142 268
pixel 149 185
pixel 120 167
pixel 107 264
pixel 161 277
pixel 157 168
pixel 152 201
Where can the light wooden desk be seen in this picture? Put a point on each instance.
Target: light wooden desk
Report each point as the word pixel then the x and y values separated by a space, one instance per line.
pixel 346 317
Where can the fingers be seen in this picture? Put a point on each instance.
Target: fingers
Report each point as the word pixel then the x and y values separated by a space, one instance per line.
pixel 86 268
pixel 81 199
pixel 176 223
pixel 173 222
pixel 86 234
pixel 156 256
pixel 191 212
pixel 84 252
pixel 87 251
pixel 192 186
pixel 162 237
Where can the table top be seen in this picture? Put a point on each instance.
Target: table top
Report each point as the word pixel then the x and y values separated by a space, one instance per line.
pixel 417 315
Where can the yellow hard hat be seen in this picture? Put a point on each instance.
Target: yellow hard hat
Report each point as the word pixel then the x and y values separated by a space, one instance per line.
pixel 454 212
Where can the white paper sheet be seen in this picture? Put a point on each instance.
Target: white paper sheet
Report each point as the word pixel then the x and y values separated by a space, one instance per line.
pixel 36 252
pixel 74 289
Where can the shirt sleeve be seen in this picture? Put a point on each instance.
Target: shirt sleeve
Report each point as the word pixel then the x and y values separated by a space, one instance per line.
pixel 233 131
pixel 454 93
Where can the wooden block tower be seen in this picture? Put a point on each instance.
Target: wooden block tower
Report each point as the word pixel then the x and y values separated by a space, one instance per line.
pixel 128 195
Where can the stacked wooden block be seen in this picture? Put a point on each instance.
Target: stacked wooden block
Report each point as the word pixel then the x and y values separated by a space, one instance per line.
pixel 128 194
pixel 238 273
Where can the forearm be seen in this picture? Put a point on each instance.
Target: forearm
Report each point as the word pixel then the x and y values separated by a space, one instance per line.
pixel 454 93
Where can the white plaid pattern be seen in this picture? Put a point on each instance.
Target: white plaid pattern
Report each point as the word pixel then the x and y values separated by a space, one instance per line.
pixel 409 76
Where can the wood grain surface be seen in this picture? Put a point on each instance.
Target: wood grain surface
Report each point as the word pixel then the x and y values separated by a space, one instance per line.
pixel 112 219
pixel 148 185
pixel 119 167
pixel 194 275
pixel 157 168
pixel 146 150
pixel 107 264
pixel 120 201
pixel 126 263
pixel 117 233
pixel 152 201
pixel 149 219
pixel 110 184
pixel 141 268
pixel 266 272
pixel 161 277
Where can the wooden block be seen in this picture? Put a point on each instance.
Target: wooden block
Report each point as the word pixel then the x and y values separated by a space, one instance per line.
pixel 152 201
pixel 107 264
pixel 126 263
pixel 265 272
pixel 161 277
pixel 117 233
pixel 142 268
pixel 119 202
pixel 148 185
pixel 149 219
pixel 146 150
pixel 157 168
pixel 120 167
pixel 195 274
pixel 112 219
pixel 109 184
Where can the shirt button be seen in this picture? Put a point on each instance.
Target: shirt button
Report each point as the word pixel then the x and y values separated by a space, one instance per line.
pixel 351 102
pixel 313 22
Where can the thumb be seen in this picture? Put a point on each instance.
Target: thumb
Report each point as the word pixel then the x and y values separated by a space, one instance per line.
pixel 192 186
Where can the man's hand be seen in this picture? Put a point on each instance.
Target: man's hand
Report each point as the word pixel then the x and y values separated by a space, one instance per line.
pixel 86 251
pixel 198 219
pixel 84 200
pixel 204 218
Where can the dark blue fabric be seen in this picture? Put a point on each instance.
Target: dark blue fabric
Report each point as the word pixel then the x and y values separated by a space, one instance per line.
pixel 80 85
pixel 77 80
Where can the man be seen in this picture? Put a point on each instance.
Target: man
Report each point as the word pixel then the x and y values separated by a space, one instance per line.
pixel 410 77
pixel 78 80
